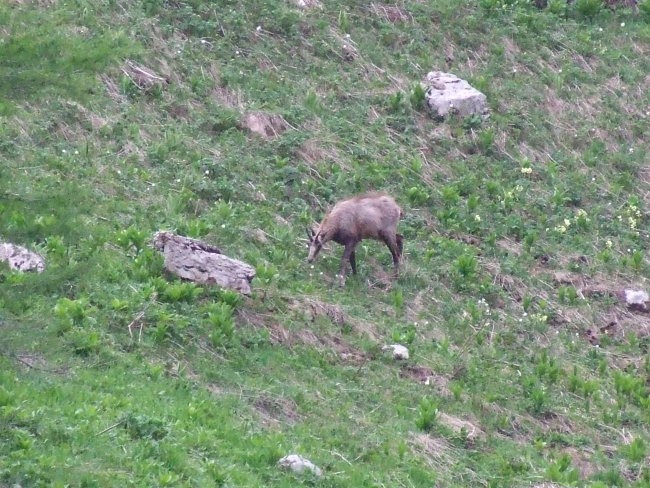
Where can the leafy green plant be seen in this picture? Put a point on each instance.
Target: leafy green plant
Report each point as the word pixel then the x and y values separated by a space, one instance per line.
pixel 84 341
pixel 71 313
pixel 561 471
pixel 466 267
pixel 588 8
pixel 644 7
pixel 417 195
pixel 427 414
pixel 397 297
pixel 404 335
pixel 396 102
pixel 636 450
pixel 131 239
pixel 144 427
pixel 179 291
pixel 417 97
pixel 222 324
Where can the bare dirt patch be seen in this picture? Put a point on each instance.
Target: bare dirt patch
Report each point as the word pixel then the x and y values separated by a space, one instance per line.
pixel 427 377
pixel 32 361
pixel 421 374
pixel 265 125
pixel 617 325
pixel 510 246
pixel 582 462
pixel 555 422
pixel 513 286
pixel 277 411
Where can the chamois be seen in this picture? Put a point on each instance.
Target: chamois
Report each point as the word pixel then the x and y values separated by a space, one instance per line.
pixel 368 216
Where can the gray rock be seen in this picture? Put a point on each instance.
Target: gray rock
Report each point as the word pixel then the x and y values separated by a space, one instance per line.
pixel 399 351
pixel 446 93
pixel 299 464
pixel 636 300
pixel 197 261
pixel 20 258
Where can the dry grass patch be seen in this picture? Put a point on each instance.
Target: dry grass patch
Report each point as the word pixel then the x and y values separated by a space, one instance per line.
pixel 228 98
pixel 313 309
pixel 142 77
pixel 280 335
pixel 391 13
pixel 313 153
pixel 437 452
pixel 461 427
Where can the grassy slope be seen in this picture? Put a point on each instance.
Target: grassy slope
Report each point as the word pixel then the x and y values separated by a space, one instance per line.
pixel 506 270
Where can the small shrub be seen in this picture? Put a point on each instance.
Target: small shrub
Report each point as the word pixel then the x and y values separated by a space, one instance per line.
pixel 396 102
pixel 222 323
pixel 427 414
pixel 644 8
pixel 83 341
pixel 486 140
pixel 71 313
pixel 404 335
pixel 636 450
pixel 562 472
pixel 466 265
pixel 417 97
pixel 588 8
pixel 144 427
pixel 397 297
pixel 131 238
pixel 417 195
pixel 179 291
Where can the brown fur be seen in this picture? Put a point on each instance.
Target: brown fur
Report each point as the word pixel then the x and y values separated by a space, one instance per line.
pixel 367 216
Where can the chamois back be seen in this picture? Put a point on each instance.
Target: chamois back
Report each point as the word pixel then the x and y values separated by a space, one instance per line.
pixel 366 216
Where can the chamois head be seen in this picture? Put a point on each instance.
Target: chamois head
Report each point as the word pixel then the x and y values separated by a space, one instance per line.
pixel 315 244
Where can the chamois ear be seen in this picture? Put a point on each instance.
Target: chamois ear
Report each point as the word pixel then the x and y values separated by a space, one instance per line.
pixel 310 233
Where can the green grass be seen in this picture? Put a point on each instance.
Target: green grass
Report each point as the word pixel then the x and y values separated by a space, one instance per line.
pixel 519 229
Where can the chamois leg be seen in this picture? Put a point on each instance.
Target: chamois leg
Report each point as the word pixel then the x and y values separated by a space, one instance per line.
pixel 347 253
pixel 353 261
pixel 393 245
pixel 400 244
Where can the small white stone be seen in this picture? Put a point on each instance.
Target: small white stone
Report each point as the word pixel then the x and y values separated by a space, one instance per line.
pixel 399 351
pixel 298 464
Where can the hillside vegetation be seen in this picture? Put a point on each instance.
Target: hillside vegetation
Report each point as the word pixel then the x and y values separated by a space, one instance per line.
pixel 119 118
